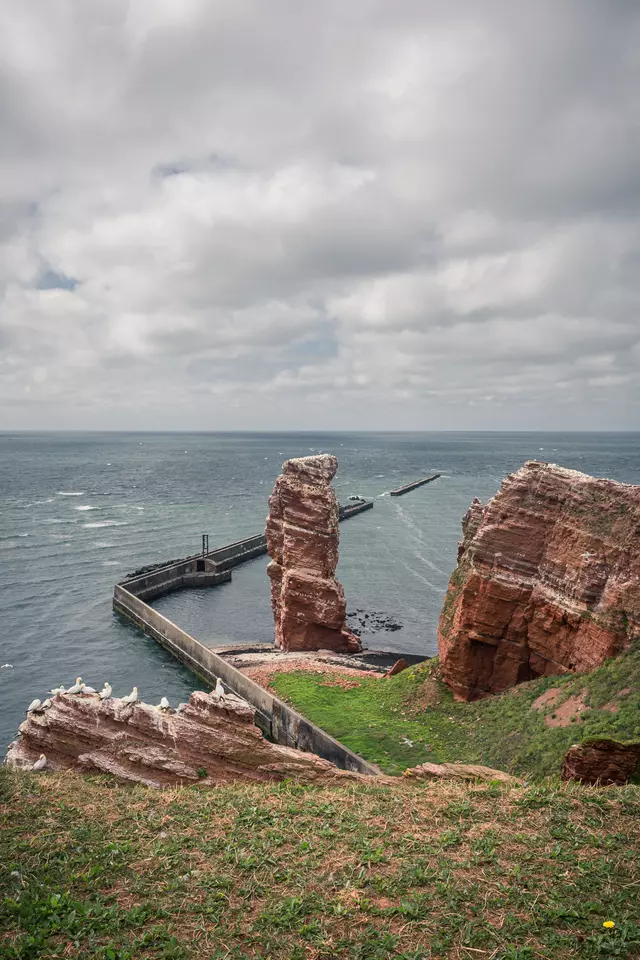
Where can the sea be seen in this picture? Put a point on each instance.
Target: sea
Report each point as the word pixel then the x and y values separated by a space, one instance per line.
pixel 78 511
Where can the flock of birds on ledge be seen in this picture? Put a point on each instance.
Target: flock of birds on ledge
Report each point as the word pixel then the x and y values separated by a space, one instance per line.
pixel 39 706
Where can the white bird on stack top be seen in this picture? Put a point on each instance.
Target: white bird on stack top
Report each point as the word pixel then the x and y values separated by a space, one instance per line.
pixel 219 690
pixel 164 704
pixel 56 690
pixel 40 763
pixel 106 691
pixel 45 704
pixel 77 687
pixel 34 705
pixel 133 696
pixel 86 689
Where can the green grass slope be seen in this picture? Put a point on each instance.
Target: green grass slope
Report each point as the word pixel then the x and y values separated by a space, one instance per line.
pixel 377 717
pixel 365 871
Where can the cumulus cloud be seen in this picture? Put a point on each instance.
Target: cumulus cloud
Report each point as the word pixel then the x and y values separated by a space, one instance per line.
pixel 219 215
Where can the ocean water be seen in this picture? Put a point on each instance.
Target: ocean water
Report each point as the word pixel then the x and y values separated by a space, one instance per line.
pixel 79 511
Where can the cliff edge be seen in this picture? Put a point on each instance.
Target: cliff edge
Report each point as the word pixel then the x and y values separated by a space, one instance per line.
pixel 547 581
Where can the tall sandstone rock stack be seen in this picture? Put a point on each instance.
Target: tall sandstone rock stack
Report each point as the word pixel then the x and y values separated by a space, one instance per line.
pixel 548 581
pixel 308 603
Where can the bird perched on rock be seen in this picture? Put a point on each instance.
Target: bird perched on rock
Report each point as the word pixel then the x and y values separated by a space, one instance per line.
pixel 40 763
pixel 77 687
pixel 34 705
pixel 133 696
pixel 106 691
pixel 164 704
pixel 219 690
pixel 56 690
pixel 86 689
pixel 45 704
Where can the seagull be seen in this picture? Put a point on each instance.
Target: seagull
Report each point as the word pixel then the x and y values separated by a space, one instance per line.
pixel 219 690
pixel 57 690
pixel 106 691
pixel 40 763
pixel 77 687
pixel 86 689
pixel 164 704
pixel 133 696
pixel 34 705
pixel 46 704
pixel 6 666
pixel 406 741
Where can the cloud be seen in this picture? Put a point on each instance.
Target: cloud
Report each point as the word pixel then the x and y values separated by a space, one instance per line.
pixel 239 215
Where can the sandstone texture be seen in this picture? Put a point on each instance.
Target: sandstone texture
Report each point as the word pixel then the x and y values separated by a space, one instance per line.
pixel 601 762
pixel 459 771
pixel 308 602
pixel 548 581
pixel 207 741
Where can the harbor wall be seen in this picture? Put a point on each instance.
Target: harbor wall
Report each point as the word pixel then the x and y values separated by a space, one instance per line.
pixel 277 720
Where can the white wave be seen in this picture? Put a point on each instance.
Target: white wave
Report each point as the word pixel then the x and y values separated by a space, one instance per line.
pixel 418 576
pixel 103 544
pixel 38 503
pixel 385 494
pixel 85 506
pixel 111 563
pixel 58 520
pixel 70 493
pixel 105 523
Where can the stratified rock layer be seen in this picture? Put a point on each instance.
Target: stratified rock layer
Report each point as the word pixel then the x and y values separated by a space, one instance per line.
pixel 207 741
pixel 308 602
pixel 548 581
pixel 600 762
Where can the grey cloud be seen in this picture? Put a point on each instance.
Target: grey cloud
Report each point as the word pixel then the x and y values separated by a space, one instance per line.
pixel 425 214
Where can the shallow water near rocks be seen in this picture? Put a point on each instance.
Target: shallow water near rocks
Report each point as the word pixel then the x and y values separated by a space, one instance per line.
pixel 79 511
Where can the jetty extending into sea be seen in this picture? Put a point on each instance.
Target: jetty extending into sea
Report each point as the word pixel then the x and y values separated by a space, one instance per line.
pixel 413 486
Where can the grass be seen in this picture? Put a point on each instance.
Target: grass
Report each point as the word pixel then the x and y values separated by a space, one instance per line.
pixel 363 871
pixel 375 717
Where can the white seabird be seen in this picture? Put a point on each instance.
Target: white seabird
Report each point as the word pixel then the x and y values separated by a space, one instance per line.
pixel 219 690
pixel 86 689
pixel 58 690
pixel 45 704
pixel 77 687
pixel 133 696
pixel 164 704
pixel 34 705
pixel 40 763
pixel 106 691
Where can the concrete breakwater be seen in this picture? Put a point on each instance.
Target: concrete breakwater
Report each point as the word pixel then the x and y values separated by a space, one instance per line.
pixel 413 486
pixel 277 720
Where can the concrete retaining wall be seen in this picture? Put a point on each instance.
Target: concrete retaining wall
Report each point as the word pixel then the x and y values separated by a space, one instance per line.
pixel 185 573
pixel 277 720
pixel 238 552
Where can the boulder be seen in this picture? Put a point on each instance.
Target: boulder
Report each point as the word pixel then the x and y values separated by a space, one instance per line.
pixel 601 762
pixel 458 771
pixel 547 581
pixel 308 603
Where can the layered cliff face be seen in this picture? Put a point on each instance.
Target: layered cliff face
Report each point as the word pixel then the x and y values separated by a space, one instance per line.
pixel 548 581
pixel 308 602
pixel 210 740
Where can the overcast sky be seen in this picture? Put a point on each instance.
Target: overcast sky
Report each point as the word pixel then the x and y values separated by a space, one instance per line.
pixel 284 214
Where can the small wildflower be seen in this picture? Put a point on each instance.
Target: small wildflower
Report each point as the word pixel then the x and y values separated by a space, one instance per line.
pixel 608 924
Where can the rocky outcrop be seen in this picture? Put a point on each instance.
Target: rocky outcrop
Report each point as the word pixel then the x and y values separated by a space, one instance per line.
pixel 207 741
pixel 459 771
pixel 308 603
pixel 548 581
pixel 601 762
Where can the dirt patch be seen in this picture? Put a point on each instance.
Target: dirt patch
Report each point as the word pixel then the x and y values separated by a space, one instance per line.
pixel 336 676
pixel 427 695
pixel 547 699
pixel 570 708
pixel 611 707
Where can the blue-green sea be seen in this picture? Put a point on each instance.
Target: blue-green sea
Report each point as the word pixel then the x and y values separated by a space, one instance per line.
pixel 78 511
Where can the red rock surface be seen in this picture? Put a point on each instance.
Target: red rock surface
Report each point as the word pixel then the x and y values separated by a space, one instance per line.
pixel 548 581
pixel 208 741
pixel 601 762
pixel 308 602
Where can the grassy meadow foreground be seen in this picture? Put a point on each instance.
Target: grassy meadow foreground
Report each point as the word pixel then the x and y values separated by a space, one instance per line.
pixel 402 721
pixel 413 870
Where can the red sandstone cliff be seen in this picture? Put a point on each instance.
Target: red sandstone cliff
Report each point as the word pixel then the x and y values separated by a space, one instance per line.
pixel 308 602
pixel 208 741
pixel 548 581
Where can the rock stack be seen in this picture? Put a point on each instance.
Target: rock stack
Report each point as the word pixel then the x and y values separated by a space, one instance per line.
pixel 548 581
pixel 308 603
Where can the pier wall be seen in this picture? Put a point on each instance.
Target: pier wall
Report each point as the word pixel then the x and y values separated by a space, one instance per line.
pixel 277 720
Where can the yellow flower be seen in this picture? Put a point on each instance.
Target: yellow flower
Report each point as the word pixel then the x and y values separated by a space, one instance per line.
pixel 608 924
